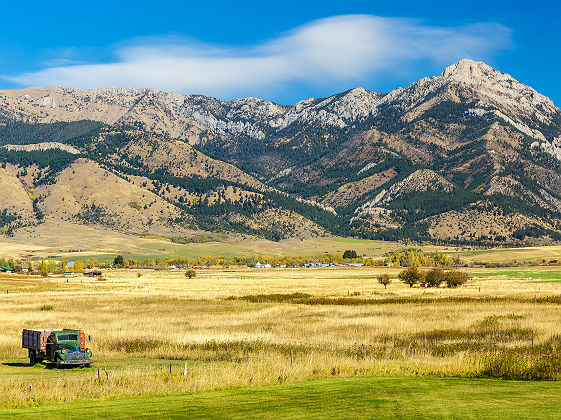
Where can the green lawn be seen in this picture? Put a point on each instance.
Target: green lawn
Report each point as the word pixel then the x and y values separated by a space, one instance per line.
pixel 370 397
pixel 543 274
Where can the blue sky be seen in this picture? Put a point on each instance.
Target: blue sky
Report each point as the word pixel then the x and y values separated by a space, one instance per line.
pixel 283 51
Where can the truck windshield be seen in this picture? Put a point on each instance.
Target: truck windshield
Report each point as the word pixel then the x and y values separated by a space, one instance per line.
pixel 67 337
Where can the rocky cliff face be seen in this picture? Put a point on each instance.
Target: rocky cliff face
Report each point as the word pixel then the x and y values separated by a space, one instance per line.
pixel 465 79
pixel 42 146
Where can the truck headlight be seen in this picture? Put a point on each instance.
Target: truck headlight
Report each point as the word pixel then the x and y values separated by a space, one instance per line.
pixel 63 351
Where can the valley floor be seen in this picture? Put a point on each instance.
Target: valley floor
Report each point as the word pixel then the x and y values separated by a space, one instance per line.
pixel 314 342
pixel 75 241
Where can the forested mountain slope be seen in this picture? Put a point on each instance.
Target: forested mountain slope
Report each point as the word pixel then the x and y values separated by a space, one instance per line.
pixel 471 155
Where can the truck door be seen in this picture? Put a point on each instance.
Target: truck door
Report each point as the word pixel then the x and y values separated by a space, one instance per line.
pixel 51 347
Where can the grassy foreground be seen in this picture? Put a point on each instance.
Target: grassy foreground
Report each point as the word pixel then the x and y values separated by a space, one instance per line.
pixel 285 342
pixel 369 397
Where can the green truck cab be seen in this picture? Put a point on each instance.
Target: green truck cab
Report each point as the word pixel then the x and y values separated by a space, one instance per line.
pixel 59 346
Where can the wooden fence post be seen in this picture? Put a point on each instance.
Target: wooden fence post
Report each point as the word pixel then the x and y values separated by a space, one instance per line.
pixel 291 358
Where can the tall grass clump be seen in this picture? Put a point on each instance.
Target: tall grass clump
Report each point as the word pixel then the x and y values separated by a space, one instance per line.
pixel 522 367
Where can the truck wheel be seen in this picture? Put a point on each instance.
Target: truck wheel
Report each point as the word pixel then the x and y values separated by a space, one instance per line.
pixel 32 358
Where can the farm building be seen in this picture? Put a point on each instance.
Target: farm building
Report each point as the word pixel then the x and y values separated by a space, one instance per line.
pixel 259 265
pixel 6 270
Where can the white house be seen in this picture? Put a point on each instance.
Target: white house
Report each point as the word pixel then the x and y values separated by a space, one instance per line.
pixel 259 265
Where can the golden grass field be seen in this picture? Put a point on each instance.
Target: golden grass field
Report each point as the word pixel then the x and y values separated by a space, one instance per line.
pixel 230 336
pixel 70 241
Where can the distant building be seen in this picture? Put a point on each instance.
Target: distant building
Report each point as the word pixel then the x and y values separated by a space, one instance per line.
pixel 6 270
pixel 259 265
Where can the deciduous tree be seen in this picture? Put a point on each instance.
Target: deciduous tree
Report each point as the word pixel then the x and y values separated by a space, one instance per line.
pixel 411 276
pixel 384 279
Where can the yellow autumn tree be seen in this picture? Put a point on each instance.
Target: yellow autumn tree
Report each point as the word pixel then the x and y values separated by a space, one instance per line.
pixel 51 266
pixel 78 267
pixel 43 269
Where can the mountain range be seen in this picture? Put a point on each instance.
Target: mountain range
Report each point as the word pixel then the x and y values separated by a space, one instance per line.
pixel 469 156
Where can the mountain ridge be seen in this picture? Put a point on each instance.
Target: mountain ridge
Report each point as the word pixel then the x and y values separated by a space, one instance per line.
pixel 491 140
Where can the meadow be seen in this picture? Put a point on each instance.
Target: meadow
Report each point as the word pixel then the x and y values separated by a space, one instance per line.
pixel 72 241
pixel 158 334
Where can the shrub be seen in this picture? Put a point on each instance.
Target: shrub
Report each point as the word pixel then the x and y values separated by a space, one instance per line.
pixel 434 277
pixel 411 276
pixel 350 254
pixel 384 279
pixel 455 278
pixel 46 308
pixel 190 274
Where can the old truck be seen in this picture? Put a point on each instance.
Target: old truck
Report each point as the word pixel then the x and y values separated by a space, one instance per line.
pixel 63 347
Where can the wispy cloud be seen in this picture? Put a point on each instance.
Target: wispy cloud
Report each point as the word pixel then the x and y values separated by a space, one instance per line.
pixel 350 48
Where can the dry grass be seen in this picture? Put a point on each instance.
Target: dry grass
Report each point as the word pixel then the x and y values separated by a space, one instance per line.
pixel 239 327
pixel 57 237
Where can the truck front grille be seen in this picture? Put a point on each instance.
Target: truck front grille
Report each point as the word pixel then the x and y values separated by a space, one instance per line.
pixel 76 355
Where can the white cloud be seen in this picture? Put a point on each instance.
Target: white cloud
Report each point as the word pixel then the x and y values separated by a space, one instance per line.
pixel 351 48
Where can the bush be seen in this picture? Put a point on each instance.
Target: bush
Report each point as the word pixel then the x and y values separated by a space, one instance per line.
pixel 190 274
pixel 455 278
pixel 434 278
pixel 411 276
pixel 350 254
pixel 384 279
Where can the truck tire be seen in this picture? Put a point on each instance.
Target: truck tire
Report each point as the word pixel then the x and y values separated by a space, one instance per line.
pixel 32 357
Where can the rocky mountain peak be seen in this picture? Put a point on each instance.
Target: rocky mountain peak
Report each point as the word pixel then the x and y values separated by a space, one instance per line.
pixel 469 71
pixel 501 90
pixel 466 80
